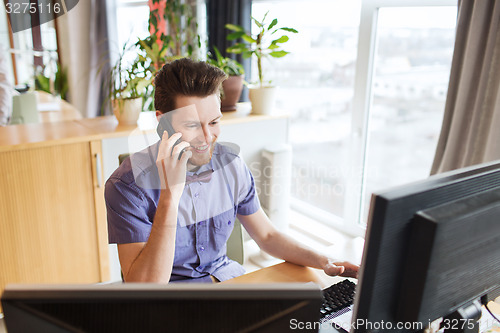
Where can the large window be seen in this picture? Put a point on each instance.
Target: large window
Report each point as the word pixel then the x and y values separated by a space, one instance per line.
pixel 316 88
pixel 365 96
pixel 412 64
pixel 364 85
pixel 23 67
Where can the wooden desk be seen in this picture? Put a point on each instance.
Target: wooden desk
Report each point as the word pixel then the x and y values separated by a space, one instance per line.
pixel 287 272
pixel 54 109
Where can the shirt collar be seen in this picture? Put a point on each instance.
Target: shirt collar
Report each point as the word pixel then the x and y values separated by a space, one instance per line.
pixel 152 152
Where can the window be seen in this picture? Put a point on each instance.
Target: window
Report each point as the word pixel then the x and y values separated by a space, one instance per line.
pixel 22 70
pixel 414 47
pixel 365 87
pixel 132 21
pixel 316 83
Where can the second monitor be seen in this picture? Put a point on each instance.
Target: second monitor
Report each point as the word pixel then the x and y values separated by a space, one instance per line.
pixel 431 249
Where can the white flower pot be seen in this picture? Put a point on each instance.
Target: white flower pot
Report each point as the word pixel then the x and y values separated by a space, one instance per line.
pixel 127 111
pixel 262 99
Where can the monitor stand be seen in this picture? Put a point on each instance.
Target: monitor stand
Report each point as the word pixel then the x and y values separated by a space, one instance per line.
pixel 464 320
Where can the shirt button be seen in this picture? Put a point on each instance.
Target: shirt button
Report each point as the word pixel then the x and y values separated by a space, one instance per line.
pixel 228 222
pixel 202 248
pixel 196 195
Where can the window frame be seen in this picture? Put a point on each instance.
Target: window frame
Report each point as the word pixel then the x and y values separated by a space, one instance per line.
pixel 351 223
pixel 363 97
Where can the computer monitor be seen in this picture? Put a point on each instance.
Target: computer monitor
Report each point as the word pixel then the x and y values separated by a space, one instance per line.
pixel 159 308
pixel 432 250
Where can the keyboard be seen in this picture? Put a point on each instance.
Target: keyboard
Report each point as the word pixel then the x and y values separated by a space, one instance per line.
pixel 337 297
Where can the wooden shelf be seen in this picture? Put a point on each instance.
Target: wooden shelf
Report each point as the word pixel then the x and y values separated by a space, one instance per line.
pixel 18 137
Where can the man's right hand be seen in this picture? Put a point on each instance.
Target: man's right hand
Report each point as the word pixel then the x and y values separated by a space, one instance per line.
pixel 171 169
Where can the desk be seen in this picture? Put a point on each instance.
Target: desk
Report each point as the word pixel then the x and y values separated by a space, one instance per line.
pixel 65 114
pixel 287 272
pixel 53 109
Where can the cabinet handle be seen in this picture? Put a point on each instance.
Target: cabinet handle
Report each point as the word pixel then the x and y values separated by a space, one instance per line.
pixel 98 170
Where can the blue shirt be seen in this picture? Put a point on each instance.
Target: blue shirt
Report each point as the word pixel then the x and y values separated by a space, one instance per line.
pixel 206 215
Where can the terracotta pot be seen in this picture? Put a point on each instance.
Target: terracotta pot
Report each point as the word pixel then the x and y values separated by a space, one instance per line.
pixel 232 88
pixel 262 99
pixel 127 111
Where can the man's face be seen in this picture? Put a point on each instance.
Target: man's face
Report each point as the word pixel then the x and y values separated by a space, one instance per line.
pixel 197 118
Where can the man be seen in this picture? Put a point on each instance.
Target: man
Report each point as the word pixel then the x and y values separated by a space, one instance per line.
pixel 169 227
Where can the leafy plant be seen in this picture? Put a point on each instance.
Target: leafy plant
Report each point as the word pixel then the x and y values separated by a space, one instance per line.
pixel 182 38
pixel 159 48
pixel 59 85
pixel 261 45
pixel 230 66
pixel 127 80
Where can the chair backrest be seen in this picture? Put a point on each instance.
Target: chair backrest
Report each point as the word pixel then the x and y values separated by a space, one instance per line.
pixel 24 109
pixel 235 248
pixel 122 157
pixel 234 243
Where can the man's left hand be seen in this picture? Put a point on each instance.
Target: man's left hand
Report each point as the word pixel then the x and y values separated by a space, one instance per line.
pixel 341 268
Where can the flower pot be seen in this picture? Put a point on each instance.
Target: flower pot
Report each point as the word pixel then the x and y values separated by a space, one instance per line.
pixel 232 88
pixel 262 99
pixel 127 110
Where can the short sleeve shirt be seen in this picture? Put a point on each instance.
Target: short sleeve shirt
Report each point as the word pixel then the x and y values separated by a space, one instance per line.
pixel 206 215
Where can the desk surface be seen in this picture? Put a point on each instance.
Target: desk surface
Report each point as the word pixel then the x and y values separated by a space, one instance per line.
pixel 287 272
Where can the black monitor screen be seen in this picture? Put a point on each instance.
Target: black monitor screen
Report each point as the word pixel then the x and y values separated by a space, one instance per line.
pixel 159 308
pixel 387 252
pixel 453 257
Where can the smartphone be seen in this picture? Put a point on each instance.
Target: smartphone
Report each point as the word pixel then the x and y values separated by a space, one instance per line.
pixel 165 125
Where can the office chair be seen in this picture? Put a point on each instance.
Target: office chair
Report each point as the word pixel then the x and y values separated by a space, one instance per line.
pixel 234 243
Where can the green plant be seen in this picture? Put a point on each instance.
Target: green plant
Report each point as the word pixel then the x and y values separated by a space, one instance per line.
pixel 262 44
pixel 58 85
pixel 230 66
pixel 127 80
pixel 160 48
pixel 182 38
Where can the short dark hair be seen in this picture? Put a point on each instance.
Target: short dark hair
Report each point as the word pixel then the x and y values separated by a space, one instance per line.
pixel 185 77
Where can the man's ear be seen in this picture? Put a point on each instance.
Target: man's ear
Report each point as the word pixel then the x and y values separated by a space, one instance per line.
pixel 158 115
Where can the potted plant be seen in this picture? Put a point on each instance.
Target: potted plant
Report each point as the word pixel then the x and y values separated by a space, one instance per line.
pixel 127 85
pixel 261 45
pixel 233 85
pixel 56 85
pixel 173 35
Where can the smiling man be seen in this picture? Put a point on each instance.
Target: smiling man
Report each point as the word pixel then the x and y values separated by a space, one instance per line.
pixel 172 207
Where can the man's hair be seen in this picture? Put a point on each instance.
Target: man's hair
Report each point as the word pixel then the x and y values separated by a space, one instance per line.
pixel 185 77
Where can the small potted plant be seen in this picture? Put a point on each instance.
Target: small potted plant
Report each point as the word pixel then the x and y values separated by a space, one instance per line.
pixel 233 85
pixel 261 45
pixel 127 84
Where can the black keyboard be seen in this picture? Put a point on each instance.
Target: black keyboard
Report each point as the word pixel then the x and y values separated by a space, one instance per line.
pixel 337 297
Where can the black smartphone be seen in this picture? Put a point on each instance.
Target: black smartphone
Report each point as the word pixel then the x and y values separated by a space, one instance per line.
pixel 165 125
